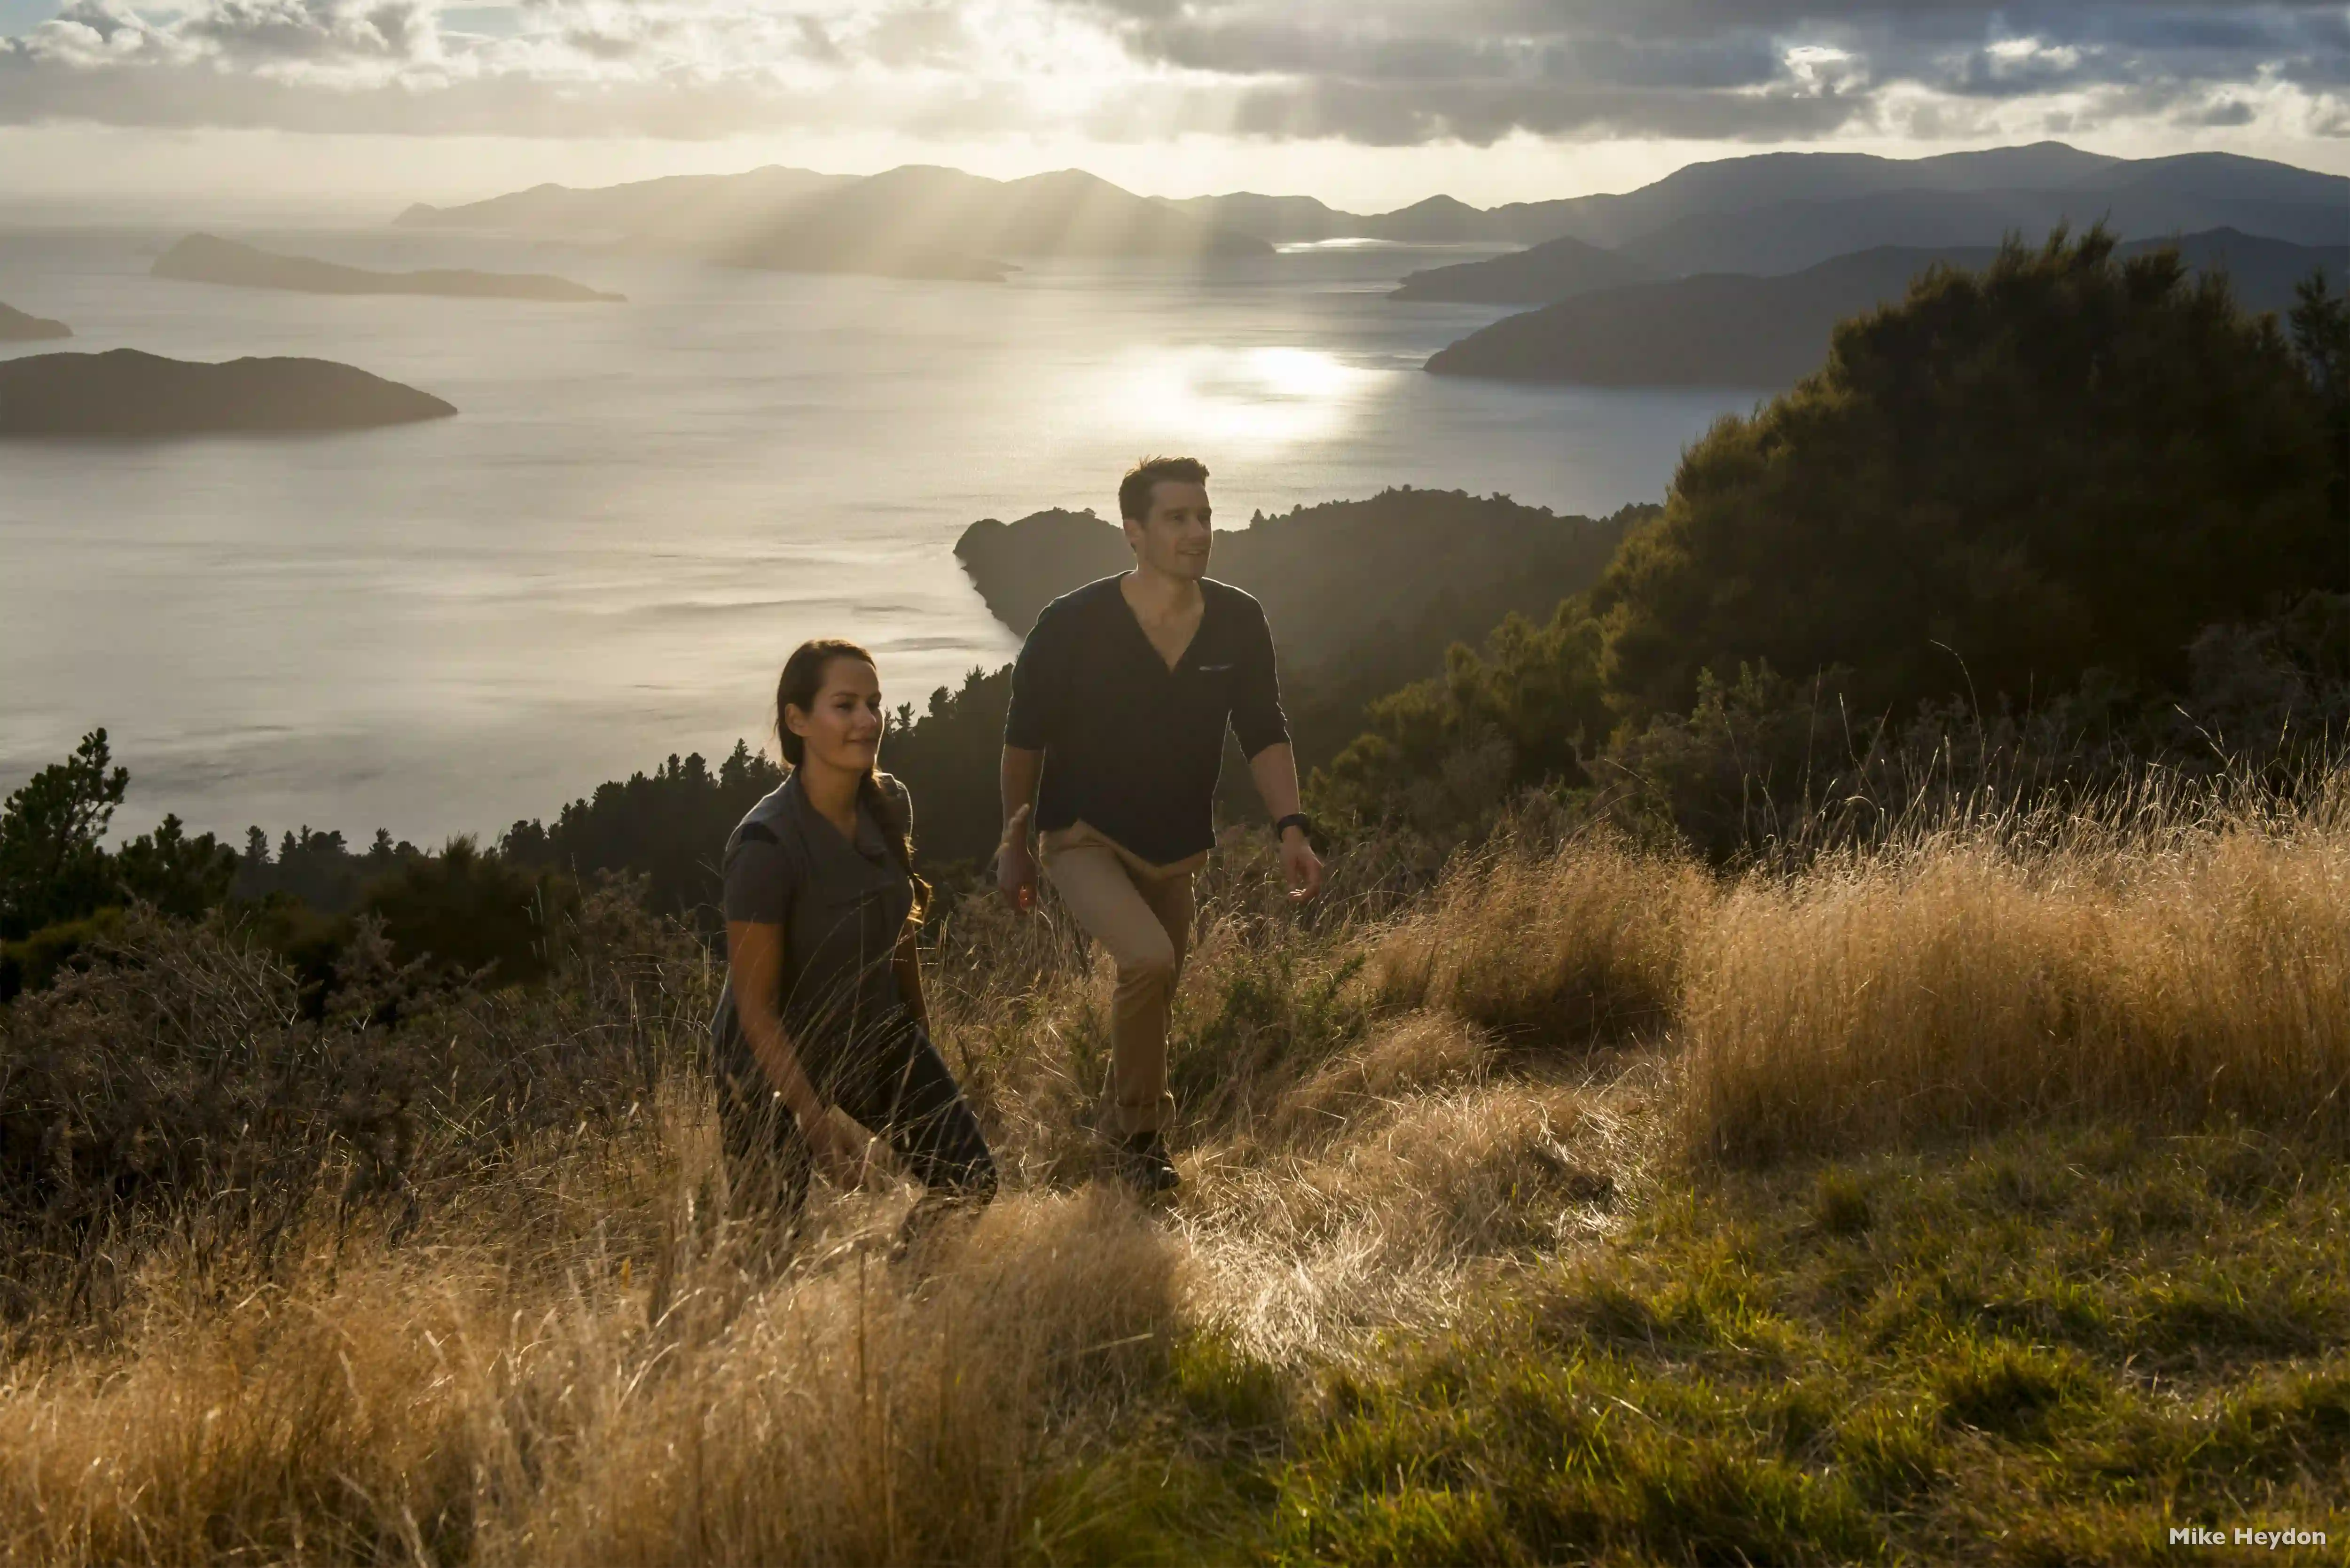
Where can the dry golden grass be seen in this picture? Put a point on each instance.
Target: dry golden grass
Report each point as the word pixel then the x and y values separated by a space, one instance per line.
pixel 1395 1109
pixel 1962 986
pixel 1585 940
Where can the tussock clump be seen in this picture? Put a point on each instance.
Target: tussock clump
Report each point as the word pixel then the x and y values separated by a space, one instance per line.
pixel 1960 986
pixel 863 1415
pixel 288 1428
pixel 1562 946
pixel 412 1412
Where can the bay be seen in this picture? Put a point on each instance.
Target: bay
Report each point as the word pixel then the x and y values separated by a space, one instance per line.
pixel 640 508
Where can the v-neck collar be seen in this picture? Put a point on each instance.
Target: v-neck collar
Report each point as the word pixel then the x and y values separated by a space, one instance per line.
pixel 1126 606
pixel 825 835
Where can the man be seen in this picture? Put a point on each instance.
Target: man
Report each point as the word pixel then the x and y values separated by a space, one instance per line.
pixel 1119 704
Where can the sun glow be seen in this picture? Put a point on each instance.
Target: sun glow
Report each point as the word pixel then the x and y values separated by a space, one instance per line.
pixel 1269 398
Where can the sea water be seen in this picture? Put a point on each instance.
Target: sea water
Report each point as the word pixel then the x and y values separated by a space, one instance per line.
pixel 640 508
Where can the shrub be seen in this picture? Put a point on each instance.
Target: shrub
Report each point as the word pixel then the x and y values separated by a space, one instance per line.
pixel 2058 463
pixel 473 913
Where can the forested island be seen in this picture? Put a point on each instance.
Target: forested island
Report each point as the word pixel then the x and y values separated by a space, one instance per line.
pixel 205 258
pixel 16 326
pixel 125 391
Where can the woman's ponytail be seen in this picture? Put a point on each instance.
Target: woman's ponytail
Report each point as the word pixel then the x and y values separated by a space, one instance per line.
pixel 896 831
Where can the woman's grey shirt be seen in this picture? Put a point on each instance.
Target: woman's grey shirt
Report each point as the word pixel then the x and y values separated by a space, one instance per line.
pixel 842 907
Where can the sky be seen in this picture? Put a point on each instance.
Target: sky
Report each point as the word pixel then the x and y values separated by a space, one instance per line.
pixel 1369 104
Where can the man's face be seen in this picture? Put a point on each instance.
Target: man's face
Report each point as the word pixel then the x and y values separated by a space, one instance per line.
pixel 1175 538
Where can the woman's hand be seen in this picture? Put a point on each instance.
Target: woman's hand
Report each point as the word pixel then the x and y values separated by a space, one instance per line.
pixel 840 1147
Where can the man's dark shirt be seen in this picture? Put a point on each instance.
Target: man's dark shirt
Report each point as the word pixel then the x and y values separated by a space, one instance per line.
pixel 1132 748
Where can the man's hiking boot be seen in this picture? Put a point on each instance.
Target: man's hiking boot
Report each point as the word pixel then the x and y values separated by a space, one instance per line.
pixel 1143 1165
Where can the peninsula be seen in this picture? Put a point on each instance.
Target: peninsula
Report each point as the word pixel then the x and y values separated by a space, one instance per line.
pixel 16 326
pixel 205 258
pixel 124 392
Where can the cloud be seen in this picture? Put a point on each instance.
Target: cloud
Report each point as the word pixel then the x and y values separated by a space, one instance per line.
pixel 1384 72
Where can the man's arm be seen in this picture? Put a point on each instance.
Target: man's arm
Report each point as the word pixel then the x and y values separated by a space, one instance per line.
pixel 1016 862
pixel 1274 769
pixel 1029 723
pixel 1263 730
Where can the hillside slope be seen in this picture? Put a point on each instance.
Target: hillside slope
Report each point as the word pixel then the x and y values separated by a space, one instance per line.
pixel 1738 330
pixel 1783 237
pixel 1554 270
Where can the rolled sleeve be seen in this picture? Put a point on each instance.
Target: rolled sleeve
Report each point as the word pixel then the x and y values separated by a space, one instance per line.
pixel 1037 678
pixel 760 880
pixel 1257 718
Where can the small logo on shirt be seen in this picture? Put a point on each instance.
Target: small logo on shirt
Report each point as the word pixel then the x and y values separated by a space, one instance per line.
pixel 1212 668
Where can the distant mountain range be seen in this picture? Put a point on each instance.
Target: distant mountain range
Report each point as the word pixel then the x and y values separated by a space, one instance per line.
pixel 691 211
pixel 16 326
pixel 202 258
pixel 1742 330
pixel 915 222
pixel 1771 213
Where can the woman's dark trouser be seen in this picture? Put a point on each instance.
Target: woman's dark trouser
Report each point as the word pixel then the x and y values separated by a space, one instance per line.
pixel 897 1086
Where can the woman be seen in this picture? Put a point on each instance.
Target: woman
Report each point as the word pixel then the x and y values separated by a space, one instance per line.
pixel 823 1010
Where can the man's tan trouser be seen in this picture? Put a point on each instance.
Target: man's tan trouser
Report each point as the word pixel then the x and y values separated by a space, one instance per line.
pixel 1141 914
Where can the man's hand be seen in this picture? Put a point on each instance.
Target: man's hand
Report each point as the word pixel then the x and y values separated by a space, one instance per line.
pixel 1299 865
pixel 1015 865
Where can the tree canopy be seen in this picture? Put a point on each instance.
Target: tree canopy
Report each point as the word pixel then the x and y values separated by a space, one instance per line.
pixel 2062 462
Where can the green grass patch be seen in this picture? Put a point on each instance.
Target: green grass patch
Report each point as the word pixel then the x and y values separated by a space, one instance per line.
pixel 2053 1347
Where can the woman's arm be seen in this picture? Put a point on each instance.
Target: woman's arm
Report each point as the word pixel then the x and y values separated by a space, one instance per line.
pixel 754 958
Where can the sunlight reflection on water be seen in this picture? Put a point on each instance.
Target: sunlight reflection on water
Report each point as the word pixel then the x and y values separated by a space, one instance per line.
pixel 1259 399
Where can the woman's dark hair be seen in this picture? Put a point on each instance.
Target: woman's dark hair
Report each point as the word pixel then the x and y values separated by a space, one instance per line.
pixel 802 682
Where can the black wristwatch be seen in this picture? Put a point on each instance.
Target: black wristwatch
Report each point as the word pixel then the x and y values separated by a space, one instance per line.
pixel 1296 819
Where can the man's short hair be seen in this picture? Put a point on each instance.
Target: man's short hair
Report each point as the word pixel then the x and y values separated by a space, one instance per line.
pixel 1134 490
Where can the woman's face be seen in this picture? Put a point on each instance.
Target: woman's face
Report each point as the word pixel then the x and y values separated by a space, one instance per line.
pixel 843 728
